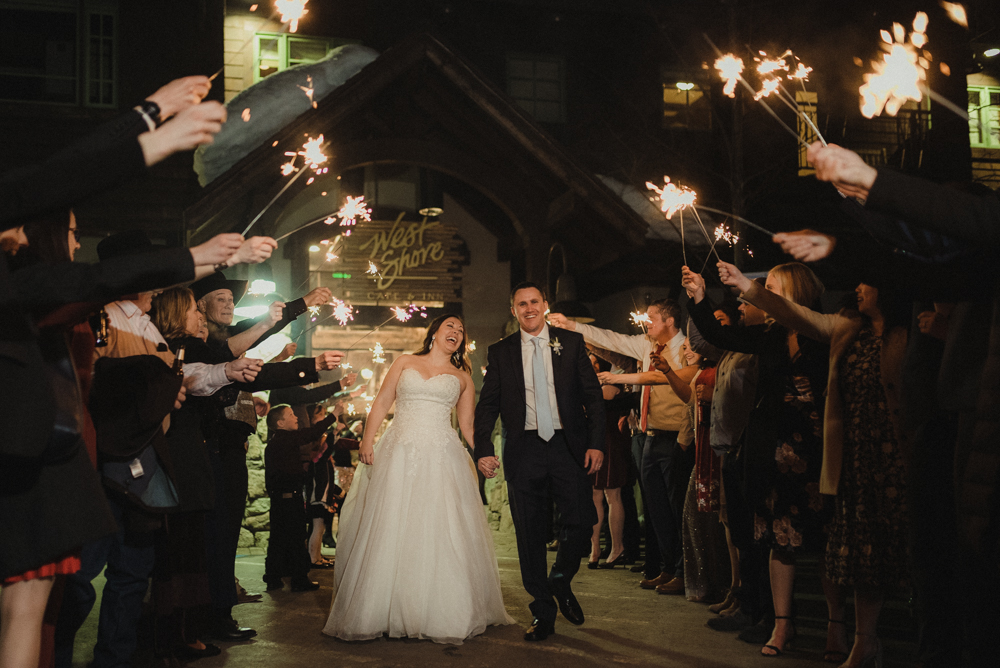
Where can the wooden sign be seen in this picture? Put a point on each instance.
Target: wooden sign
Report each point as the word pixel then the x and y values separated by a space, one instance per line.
pixel 414 261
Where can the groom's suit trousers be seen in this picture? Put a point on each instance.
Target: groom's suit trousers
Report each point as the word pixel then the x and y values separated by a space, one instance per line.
pixel 549 471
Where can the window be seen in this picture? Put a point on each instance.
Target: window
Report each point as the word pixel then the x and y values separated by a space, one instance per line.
pixel 537 84
pixel 47 49
pixel 984 116
pixel 806 102
pixel 276 52
pixel 685 105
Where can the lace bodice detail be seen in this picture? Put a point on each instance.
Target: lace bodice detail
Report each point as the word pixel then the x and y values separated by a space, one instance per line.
pixel 434 396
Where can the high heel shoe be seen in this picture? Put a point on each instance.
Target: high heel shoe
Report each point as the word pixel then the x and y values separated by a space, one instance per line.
pixel 620 559
pixel 778 651
pixel 832 655
pixel 872 660
pixel 593 565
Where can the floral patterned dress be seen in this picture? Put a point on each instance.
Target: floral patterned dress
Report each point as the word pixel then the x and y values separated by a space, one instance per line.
pixel 867 545
pixel 794 516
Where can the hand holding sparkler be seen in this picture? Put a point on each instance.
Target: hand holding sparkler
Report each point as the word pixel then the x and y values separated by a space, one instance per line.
pixel 254 251
pixel 657 362
pixel 180 94
pixel 730 275
pixel 844 168
pixel 318 297
pixel 275 312
pixel 328 360
pixel 694 283
pixel 191 128
pixel 217 250
pixel 348 380
pixel 285 353
pixel 561 321
pixel 243 370
pixel 806 245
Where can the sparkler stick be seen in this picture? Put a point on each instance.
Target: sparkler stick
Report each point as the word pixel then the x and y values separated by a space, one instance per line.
pixel 274 199
pixel 299 229
pixel 707 236
pixel 735 217
pixel 683 246
pixel 378 327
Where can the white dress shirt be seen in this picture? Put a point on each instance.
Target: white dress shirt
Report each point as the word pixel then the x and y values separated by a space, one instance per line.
pixel 131 332
pixel 527 359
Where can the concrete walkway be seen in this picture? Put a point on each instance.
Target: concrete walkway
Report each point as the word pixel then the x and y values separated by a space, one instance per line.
pixel 625 626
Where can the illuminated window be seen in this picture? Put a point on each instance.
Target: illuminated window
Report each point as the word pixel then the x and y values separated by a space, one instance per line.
pixel 685 105
pixel 276 52
pixel 984 116
pixel 48 49
pixel 538 85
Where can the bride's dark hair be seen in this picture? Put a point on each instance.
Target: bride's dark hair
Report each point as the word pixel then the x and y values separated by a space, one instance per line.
pixel 460 358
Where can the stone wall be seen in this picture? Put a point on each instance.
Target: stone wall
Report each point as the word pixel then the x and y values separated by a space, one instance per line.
pixel 257 518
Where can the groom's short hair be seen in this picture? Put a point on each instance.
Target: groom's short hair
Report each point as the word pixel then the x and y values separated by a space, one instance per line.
pixel 524 285
pixel 668 308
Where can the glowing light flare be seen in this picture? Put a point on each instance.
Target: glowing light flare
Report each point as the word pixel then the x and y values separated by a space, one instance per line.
pixel 801 72
pixel 372 269
pixel 771 65
pixel 291 12
pixel 352 209
pixel 640 318
pixel 287 168
pixel 723 233
pixel 897 78
pixel 312 151
pixel 673 198
pixel 313 313
pixel 378 355
pixel 730 68
pixel 404 313
pixel 956 13
pixel 767 86
pixel 342 312
pixel 330 220
pixel 471 347
pixel 401 313
pixel 309 90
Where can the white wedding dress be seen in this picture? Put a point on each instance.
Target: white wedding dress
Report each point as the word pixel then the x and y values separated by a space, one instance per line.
pixel 414 551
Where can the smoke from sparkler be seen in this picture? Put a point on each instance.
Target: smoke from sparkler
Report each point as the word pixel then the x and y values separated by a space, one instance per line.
pixel 673 198
pixel 730 68
pixel 898 77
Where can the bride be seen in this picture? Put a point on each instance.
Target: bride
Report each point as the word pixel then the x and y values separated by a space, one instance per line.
pixel 414 552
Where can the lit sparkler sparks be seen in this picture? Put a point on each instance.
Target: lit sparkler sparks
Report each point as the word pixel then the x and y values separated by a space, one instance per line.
pixel 772 65
pixel 956 13
pixel 342 312
pixel 673 198
pixel 352 209
pixel 640 319
pixel 723 233
pixel 378 355
pixel 801 72
pixel 767 86
pixel 291 12
pixel 404 313
pixel 898 78
pixel 373 270
pixel 346 365
pixel 471 347
pixel 730 68
pixel 246 115
pixel 309 90
pixel 313 313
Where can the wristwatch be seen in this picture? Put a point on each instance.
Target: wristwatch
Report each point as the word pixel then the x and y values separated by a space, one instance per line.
pixel 150 112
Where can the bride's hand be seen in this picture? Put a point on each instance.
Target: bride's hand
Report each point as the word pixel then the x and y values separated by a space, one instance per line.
pixel 488 466
pixel 366 453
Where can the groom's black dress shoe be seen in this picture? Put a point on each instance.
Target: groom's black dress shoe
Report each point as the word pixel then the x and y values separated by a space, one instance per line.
pixel 570 607
pixel 539 630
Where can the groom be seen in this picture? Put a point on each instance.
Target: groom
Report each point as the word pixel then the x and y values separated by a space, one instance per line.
pixel 547 394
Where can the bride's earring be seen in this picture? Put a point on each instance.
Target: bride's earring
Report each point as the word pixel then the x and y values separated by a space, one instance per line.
pixel 432 343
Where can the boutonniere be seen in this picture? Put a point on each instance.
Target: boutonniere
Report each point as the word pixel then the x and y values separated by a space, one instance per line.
pixel 556 346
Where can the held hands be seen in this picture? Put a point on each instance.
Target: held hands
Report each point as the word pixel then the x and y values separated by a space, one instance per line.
pixel 592 461
pixel 561 321
pixel 191 128
pixel 488 466
pixel 318 296
pixel 806 245
pixel 730 275
pixel 243 370
pixel 254 251
pixel 845 169
pixel 180 94
pixel 348 380
pixel 216 250
pixel 693 283
pixel 329 360
pixel 366 453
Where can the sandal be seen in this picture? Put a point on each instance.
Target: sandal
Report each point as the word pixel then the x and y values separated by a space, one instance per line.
pixel 833 655
pixel 777 650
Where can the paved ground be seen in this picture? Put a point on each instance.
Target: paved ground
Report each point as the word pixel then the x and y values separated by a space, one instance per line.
pixel 625 626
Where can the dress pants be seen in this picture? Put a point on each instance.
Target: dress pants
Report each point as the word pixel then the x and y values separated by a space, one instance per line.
pixel 128 556
pixel 286 548
pixel 754 593
pixel 666 468
pixel 223 523
pixel 652 563
pixel 550 472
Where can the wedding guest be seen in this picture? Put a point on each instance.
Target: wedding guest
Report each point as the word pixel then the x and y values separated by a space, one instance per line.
pixel 864 441
pixel 788 508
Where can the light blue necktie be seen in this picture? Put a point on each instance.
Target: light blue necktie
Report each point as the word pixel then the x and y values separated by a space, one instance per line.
pixel 543 412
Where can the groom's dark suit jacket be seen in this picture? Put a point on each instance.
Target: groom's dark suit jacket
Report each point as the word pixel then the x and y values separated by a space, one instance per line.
pixel 578 395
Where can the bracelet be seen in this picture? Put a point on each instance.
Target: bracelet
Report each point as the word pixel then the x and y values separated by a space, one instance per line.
pixel 221 266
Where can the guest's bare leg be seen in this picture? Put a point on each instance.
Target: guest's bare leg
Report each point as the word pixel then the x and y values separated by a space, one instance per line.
pixel 616 521
pixel 782 568
pixel 595 538
pixel 316 540
pixel 867 608
pixel 836 630
pixel 22 608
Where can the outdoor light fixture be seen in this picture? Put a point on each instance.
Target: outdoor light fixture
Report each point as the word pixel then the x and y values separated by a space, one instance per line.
pixel 684 85
pixel 431 212
pixel 564 295
pixel 989 53
pixel 314 248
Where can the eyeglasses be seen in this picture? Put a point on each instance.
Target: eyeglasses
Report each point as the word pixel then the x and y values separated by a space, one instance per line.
pixel 76 233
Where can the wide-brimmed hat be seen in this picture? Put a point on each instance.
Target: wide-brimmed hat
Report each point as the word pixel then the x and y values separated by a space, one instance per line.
pixel 129 242
pixel 218 281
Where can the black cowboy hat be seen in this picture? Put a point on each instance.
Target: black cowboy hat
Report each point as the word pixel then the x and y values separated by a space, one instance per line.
pixel 129 242
pixel 218 281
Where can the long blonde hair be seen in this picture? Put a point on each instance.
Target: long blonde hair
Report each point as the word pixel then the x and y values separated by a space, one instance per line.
pixel 170 309
pixel 799 284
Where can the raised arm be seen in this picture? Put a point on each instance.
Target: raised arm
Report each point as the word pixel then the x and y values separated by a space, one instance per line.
pixel 380 409
pixel 632 345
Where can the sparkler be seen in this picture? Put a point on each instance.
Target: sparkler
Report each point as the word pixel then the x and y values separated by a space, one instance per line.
pixel 471 347
pixel 735 217
pixel 352 209
pixel 730 68
pixel 291 12
pixel 723 233
pixel 342 312
pixel 640 319
pixel 673 198
pixel 378 355
pixel 401 313
pixel 312 153
pixel 956 13
pixel 372 269
pixel 313 313
pixel 308 90
pixel 898 77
